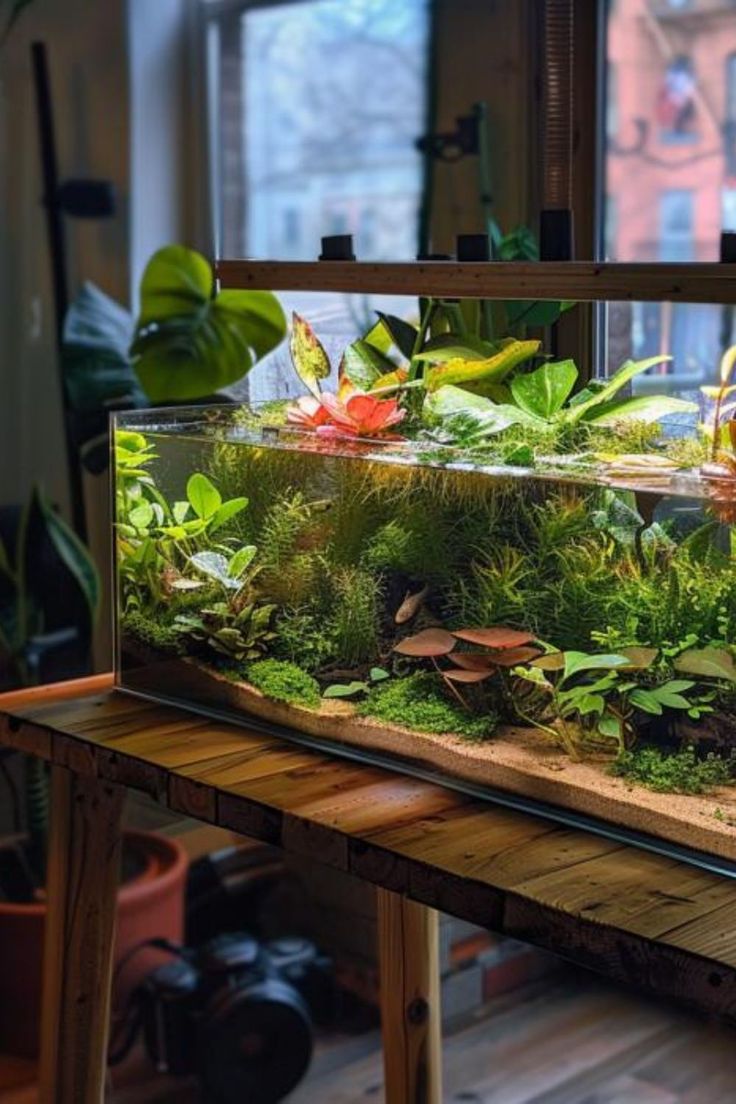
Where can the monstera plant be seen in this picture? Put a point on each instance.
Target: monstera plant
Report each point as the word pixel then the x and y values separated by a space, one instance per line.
pixel 187 343
pixel 191 340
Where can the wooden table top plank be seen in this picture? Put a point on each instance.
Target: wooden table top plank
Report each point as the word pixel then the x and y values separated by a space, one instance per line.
pixel 712 934
pixel 632 914
pixel 649 895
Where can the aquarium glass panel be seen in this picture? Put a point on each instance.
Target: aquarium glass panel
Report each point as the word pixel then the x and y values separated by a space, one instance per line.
pixel 451 554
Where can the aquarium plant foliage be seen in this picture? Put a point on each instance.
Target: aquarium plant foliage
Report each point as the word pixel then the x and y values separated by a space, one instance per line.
pixel 462 540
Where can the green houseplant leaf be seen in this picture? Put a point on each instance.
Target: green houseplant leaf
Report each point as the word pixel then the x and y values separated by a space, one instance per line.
pixel 401 333
pixel 455 402
pixel 605 391
pixel 97 371
pixel 190 342
pixel 364 365
pixel 642 408
pixel 493 369
pixel 545 390
pixel 311 362
pixel 68 547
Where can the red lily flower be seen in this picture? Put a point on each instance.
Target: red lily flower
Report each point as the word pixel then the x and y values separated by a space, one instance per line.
pixel 307 412
pixel 360 415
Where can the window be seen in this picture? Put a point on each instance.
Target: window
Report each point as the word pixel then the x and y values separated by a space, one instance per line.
pixel 318 103
pixel 668 175
pixel 676 110
pixel 676 220
pixel 729 126
pixel 315 109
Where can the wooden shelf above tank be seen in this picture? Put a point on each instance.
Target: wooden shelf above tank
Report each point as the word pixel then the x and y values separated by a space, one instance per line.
pixel 584 281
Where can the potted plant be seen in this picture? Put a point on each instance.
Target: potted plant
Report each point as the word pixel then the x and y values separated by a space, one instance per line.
pixel 48 599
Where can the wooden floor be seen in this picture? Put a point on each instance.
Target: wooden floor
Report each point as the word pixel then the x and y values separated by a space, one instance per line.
pixel 570 1041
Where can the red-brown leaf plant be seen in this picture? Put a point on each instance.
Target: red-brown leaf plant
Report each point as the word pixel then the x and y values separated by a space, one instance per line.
pixel 506 647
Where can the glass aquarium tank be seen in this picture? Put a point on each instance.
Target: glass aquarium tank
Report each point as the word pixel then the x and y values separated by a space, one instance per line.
pixel 461 560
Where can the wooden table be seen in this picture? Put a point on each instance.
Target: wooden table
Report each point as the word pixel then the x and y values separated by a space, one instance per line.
pixel 657 924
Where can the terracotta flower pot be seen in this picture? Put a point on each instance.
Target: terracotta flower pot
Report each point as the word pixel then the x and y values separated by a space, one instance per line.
pixel 150 905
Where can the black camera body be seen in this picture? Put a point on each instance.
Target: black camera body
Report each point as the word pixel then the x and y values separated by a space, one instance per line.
pixel 238 1014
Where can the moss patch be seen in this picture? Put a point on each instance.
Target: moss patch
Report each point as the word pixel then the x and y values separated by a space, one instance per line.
pixel 157 633
pixel 417 702
pixel 678 772
pixel 284 682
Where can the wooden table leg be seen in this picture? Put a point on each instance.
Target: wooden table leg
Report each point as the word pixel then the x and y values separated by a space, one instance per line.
pixel 82 881
pixel 410 1000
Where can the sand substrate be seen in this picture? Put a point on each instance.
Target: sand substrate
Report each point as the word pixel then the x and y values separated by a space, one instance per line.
pixel 518 760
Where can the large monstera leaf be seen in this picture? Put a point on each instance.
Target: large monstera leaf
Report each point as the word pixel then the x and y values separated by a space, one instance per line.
pixel 190 343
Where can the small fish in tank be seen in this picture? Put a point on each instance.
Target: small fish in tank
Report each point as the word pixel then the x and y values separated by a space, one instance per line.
pixel 463 558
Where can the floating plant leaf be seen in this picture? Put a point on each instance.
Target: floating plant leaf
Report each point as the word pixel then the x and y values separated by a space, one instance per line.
pixel 497 637
pixel 709 662
pixel 491 417
pixel 308 356
pixel 544 391
pixel 204 497
pixel 377 674
pixel 428 642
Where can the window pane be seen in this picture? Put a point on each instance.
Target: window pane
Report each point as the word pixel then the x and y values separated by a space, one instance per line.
pixel 319 104
pixel 670 170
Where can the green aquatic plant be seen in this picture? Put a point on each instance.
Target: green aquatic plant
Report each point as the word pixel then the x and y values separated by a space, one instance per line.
pixel 354 615
pixel 158 542
pixel 284 682
pixel 238 631
pixel 302 637
pixel 419 703
pixel 597 696
pixel 160 634
pixel 544 398
pixel 672 771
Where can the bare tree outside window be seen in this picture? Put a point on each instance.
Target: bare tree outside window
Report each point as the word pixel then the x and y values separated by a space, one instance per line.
pixel 321 103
